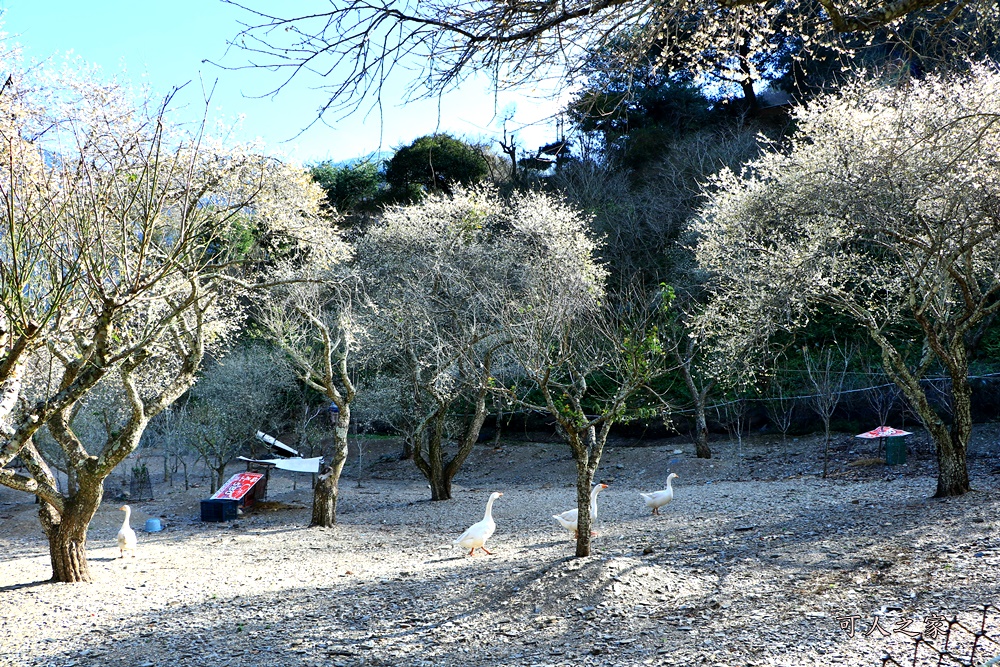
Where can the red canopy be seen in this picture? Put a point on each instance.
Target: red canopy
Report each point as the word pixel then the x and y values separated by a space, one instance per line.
pixel 883 432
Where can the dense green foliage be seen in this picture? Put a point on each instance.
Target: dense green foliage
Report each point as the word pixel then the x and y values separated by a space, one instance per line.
pixel 349 188
pixel 432 163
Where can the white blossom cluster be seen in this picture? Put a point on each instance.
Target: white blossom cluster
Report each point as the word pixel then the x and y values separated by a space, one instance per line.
pixel 884 206
pixel 450 279
pixel 127 247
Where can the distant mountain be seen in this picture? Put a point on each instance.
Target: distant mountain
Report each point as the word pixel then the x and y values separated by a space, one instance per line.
pixel 377 157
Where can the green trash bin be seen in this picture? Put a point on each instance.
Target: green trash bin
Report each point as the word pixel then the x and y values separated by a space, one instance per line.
pixel 895 450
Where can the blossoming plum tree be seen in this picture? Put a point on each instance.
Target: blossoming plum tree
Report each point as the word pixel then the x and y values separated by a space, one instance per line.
pixel 311 319
pixel 883 207
pixel 438 275
pixel 124 247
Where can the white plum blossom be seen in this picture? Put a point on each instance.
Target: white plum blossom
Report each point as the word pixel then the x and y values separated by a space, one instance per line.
pixel 884 207
pixel 127 246
pixel 444 278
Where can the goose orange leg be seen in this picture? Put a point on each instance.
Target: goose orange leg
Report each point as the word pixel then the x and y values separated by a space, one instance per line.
pixel 486 550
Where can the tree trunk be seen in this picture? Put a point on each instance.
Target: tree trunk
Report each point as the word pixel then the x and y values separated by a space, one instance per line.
pixel 68 552
pixel 71 484
pixel 826 414
pixel 701 448
pixel 325 493
pixel 469 439
pixel 953 473
pixel 953 470
pixel 406 452
pixel 67 533
pixel 324 510
pixel 432 466
pixel 219 477
pixel 440 484
pixel 700 398
pixel 826 452
pixel 440 488
pixel 749 95
pixel 438 473
pixel 746 82
pixel 951 443
pixel 584 482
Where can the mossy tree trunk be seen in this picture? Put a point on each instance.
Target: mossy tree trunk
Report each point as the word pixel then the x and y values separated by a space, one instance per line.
pixel 951 441
pixel 439 472
pixel 67 530
pixel 584 483
pixel 324 510
pixel 699 389
pixel 701 448
pixel 587 444
pixel 65 518
pixel 321 359
pixel 218 476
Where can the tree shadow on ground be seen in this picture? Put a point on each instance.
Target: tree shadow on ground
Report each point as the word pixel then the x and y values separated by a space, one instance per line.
pixel 24 586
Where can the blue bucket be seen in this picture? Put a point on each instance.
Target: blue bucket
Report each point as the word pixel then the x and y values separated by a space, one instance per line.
pixel 153 526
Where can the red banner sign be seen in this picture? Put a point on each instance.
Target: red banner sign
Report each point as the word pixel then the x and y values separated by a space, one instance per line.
pixel 237 486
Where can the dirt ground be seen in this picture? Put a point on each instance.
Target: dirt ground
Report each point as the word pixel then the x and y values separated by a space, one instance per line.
pixel 757 561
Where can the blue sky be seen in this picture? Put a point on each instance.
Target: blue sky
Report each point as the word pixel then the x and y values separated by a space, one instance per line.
pixel 164 44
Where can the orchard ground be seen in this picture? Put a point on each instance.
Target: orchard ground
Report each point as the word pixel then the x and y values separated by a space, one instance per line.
pixel 758 561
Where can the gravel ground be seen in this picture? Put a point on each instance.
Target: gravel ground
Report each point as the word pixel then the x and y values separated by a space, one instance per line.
pixel 758 561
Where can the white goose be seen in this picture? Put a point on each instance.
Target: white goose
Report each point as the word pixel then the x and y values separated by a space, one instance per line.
pixel 126 536
pixel 658 499
pixel 477 534
pixel 568 519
